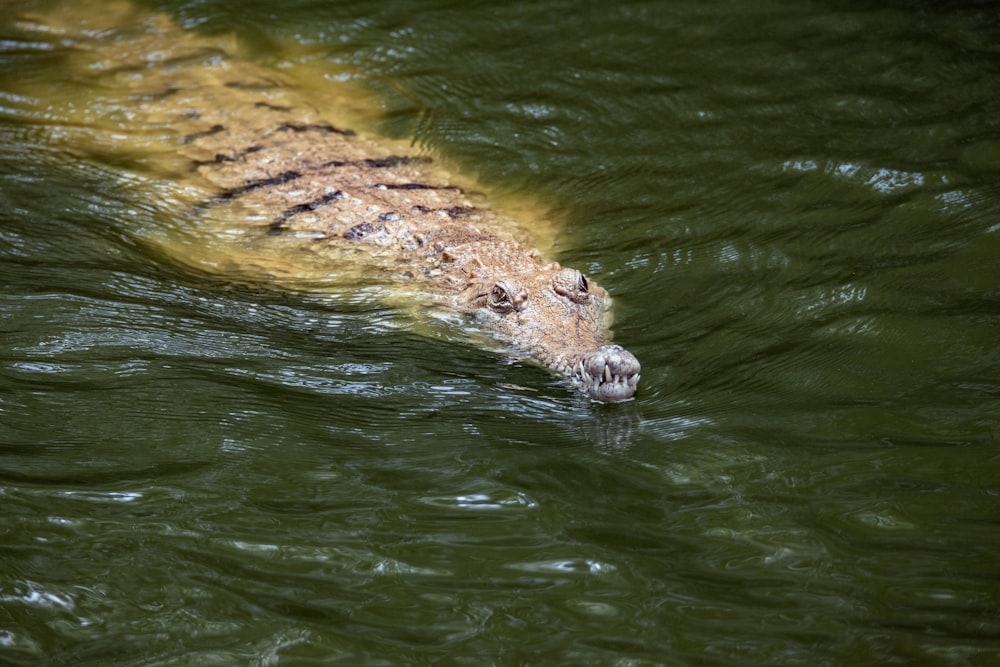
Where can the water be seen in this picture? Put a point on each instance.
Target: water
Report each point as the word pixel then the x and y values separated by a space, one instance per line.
pixel 796 206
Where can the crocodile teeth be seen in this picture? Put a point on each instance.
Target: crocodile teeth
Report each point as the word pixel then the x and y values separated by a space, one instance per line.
pixel 610 373
pixel 607 377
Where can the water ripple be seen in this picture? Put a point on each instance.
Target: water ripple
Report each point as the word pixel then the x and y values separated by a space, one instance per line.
pixel 795 210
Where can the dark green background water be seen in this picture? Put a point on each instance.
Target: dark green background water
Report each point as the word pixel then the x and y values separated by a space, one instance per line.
pixel 797 208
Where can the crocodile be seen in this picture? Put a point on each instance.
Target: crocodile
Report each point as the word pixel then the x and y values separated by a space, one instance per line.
pixel 272 158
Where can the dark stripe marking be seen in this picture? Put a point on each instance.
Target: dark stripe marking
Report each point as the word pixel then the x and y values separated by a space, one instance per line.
pixel 314 204
pixel 279 223
pixel 215 129
pixel 453 212
pixel 231 157
pixel 417 186
pixel 256 184
pixel 393 161
pixel 457 211
pixel 379 162
pixel 272 107
pixel 252 85
pixel 313 127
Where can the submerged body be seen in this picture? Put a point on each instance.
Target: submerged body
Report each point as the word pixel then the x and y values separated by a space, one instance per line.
pixel 275 162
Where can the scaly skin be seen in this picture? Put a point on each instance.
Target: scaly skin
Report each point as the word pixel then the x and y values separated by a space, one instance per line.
pixel 269 156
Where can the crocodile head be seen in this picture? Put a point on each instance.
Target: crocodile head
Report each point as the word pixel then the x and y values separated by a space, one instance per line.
pixel 561 319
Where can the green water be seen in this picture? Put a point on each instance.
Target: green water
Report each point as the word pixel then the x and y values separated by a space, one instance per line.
pixel 797 208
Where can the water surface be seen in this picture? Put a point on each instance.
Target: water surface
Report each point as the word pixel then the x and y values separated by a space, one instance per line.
pixel 797 209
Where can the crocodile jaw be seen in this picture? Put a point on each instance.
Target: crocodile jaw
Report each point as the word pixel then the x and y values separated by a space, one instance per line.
pixel 608 374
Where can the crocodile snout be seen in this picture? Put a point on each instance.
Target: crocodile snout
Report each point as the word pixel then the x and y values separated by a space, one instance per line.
pixel 609 373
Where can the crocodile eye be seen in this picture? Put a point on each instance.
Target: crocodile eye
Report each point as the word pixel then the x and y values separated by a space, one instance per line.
pixel 506 296
pixel 499 300
pixel 571 284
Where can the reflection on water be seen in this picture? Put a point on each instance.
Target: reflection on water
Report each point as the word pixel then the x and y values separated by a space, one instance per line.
pixel 795 207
